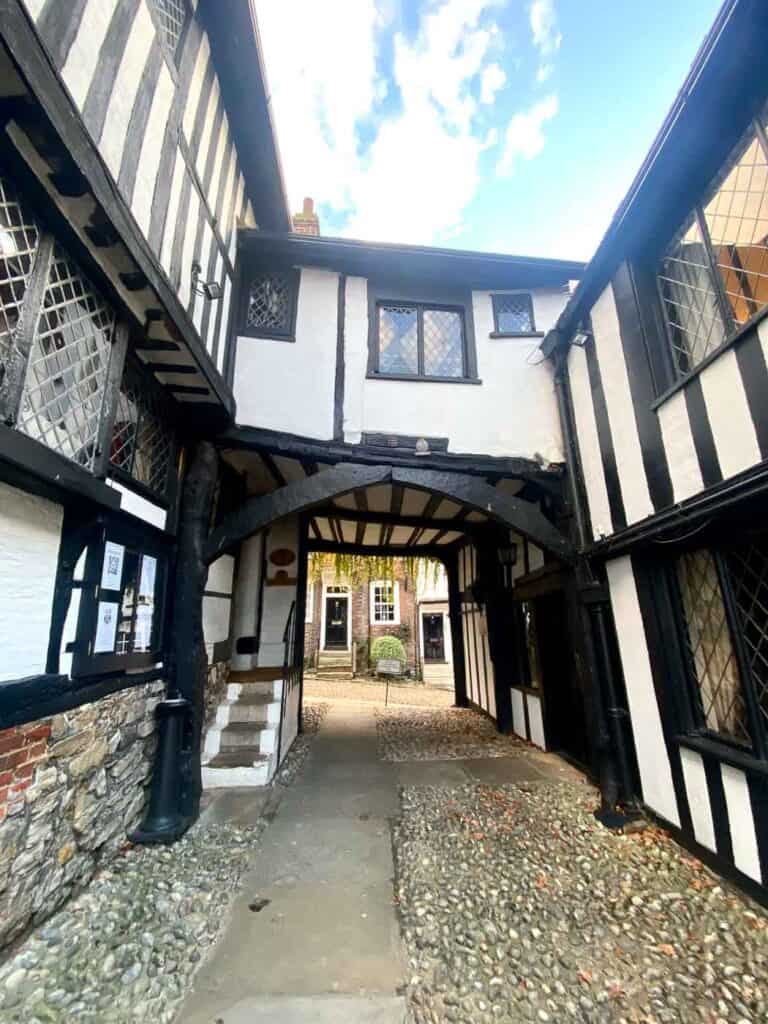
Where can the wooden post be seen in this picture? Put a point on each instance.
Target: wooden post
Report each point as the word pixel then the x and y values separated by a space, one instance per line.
pixel 457 634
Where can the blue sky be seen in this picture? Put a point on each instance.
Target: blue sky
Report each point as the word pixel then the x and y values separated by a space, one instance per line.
pixel 501 125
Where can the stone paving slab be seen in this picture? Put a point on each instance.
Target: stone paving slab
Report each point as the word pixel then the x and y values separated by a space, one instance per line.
pixel 431 773
pixel 315 1010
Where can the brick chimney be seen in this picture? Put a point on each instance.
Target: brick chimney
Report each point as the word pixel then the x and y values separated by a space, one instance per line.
pixel 307 222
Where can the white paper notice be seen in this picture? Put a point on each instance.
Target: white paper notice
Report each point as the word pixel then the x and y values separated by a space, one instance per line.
pixel 106 627
pixel 143 634
pixel 112 572
pixel 148 573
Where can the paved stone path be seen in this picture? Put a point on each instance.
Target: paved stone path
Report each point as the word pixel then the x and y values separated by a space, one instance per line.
pixel 325 687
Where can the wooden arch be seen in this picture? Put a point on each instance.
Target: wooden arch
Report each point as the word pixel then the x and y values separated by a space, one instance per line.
pixel 512 513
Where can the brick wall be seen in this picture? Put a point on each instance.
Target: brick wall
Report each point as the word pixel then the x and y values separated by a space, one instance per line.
pixel 361 614
pixel 71 787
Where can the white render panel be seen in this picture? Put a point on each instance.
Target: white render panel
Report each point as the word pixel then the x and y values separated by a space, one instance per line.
pixel 221 574
pixel 536 718
pixel 126 84
pixel 166 252
pixel 188 248
pixel 277 599
pixel 195 87
pixel 226 312
pixel 355 356
pixel 618 400
pixel 30 531
pixel 213 188
pixel 518 713
pixel 741 821
pixel 698 798
pixel 246 598
pixel 652 757
pixel 732 427
pixel 151 149
pixel 83 56
pixel 139 506
pixel 513 411
pixel 589 444
pixel 34 7
pixel 289 386
pixel 679 447
pixel 205 136
pixel 216 616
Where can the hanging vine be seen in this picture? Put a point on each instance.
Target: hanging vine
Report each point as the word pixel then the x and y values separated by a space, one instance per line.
pixel 356 569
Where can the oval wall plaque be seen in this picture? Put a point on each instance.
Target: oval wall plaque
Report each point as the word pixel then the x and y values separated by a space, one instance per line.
pixel 282 556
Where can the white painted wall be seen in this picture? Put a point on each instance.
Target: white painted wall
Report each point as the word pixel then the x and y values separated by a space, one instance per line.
pixel 277 599
pixel 246 599
pixel 697 792
pixel 589 444
pixel 741 821
pixel 536 720
pixel 289 386
pixel 30 532
pixel 139 506
pixel 217 610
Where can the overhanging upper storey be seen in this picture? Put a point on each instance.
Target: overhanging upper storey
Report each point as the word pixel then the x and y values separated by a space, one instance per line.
pixel 370 343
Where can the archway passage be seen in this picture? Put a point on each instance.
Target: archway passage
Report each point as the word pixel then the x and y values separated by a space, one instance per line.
pixel 491 526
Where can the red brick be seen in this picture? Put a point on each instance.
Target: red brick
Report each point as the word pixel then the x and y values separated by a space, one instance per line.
pixel 2 815
pixel 18 788
pixel 38 732
pixel 25 771
pixel 5 778
pixel 4 794
pixel 10 739
pixel 12 760
pixel 36 751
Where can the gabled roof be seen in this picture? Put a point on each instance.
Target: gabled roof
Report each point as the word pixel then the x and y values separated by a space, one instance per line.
pixel 449 266
pixel 721 91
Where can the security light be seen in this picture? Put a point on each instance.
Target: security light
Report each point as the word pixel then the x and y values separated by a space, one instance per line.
pixel 581 337
pixel 211 290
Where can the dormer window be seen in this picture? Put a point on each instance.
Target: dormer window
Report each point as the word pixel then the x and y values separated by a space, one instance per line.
pixel 513 315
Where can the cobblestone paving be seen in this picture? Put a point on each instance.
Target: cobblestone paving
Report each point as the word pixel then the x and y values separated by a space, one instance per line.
pixel 517 906
pixel 373 690
pixel 441 735
pixel 126 948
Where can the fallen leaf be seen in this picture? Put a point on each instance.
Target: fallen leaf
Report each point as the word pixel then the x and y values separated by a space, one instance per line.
pixel 666 949
pixel 585 977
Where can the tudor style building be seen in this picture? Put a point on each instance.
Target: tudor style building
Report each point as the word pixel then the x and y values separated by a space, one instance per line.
pixel 193 398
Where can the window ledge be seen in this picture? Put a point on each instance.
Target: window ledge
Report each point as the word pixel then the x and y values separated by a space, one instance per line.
pixel 724 752
pixel 734 339
pixel 516 334
pixel 265 335
pixel 406 377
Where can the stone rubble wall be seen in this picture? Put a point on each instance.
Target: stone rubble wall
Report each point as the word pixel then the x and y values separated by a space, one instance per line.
pixel 215 689
pixel 71 787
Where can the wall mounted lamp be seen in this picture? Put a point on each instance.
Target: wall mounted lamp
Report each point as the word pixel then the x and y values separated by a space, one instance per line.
pixel 210 290
pixel 581 337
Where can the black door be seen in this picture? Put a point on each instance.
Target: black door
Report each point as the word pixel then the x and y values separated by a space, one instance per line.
pixel 434 641
pixel 336 609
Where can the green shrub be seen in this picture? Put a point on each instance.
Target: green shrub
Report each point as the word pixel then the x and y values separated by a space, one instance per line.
pixel 388 648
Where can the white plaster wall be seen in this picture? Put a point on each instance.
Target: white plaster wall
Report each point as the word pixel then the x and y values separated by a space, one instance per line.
pixel 518 713
pixel 216 615
pixel 741 821
pixel 513 411
pixel 84 53
pixel 536 719
pixel 652 756
pixel 289 386
pixel 697 792
pixel 246 599
pixel 589 444
pixel 151 149
pixel 139 506
pixel 277 599
pixel 290 722
pixel 682 460
pixel 220 575
pixel 729 416
pixel 30 532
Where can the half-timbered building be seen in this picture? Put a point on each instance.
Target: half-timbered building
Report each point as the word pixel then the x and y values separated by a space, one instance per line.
pixel 194 397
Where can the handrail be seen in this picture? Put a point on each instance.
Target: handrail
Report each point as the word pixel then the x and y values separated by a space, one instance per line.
pixel 289 635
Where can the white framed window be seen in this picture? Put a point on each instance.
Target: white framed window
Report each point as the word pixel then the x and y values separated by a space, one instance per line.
pixel 385 603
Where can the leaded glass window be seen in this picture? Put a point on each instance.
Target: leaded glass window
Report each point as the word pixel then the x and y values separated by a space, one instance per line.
pixel 62 399
pixel 420 341
pixel 270 303
pixel 513 313
pixel 713 275
pixel 142 438
pixel 171 17
pixel 19 238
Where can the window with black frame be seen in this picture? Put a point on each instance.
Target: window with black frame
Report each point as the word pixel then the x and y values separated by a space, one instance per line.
pixel 416 340
pixel 171 17
pixel 723 604
pixel 143 445
pixel 269 302
pixel 513 314
pixel 713 274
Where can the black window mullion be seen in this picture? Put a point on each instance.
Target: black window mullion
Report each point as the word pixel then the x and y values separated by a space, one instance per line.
pixel 745 671
pixel 420 340
pixel 714 269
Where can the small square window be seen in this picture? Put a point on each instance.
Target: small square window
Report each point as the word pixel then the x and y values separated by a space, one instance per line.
pixel 171 19
pixel 270 304
pixel 513 313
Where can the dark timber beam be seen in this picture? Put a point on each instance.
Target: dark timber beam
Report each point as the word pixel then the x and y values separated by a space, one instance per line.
pixel 522 516
pixel 394 519
pixel 439 551
pixel 256 513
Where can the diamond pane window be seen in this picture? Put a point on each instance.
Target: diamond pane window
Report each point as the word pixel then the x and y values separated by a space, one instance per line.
pixel 712 657
pixel 689 295
pixel 142 438
pixel 271 303
pixel 748 571
pixel 513 313
pixel 19 237
pixel 172 16
pixel 63 392
pixel 384 602
pixel 398 339
pixel 443 343
pixel 737 219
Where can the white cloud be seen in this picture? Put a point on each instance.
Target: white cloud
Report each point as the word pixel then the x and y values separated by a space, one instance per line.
pixel 421 168
pixel 546 35
pixel 544 73
pixel 492 79
pixel 525 136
